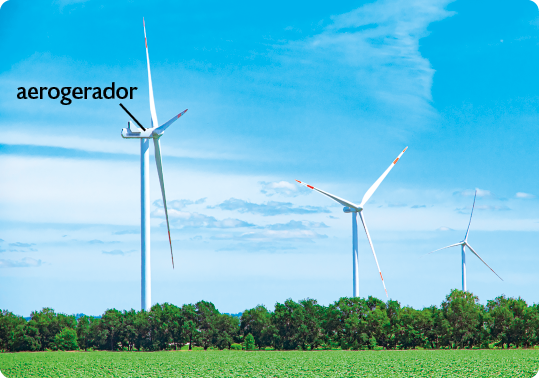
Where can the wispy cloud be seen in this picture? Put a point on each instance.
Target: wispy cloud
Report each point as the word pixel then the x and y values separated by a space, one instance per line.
pixel 126 232
pixel 283 188
pixel 106 146
pixel 471 193
pixel 443 228
pixel 267 209
pixel 417 206
pixel 273 235
pixel 179 204
pixel 522 195
pixel 26 262
pixel 185 219
pixel 118 252
pixel 257 246
pixel 95 241
pixel 466 210
pixel 21 245
pixel 379 43
pixel 396 205
pixel 296 225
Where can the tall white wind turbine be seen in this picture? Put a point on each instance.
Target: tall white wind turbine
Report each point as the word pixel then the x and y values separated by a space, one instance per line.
pixel 145 134
pixel 464 243
pixel 350 207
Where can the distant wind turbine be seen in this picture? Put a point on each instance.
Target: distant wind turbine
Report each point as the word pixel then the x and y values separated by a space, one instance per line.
pixel 464 244
pixel 145 135
pixel 350 207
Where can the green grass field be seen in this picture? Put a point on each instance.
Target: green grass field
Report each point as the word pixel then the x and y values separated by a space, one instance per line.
pixel 438 363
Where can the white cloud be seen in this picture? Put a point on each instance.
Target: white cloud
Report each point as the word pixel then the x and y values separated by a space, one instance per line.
pixel 466 210
pixel 283 188
pixel 183 219
pixel 21 245
pixel 379 42
pixel 273 235
pixel 118 252
pixel 179 204
pixel 296 225
pixel 269 208
pixel 524 195
pixel 26 262
pixel 443 228
pixel 109 146
pixel 471 193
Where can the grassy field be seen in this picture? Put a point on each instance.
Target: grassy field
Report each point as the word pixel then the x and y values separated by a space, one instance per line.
pixel 438 363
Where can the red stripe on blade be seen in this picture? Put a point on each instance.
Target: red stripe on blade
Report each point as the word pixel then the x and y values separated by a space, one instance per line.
pixel 310 187
pixel 396 160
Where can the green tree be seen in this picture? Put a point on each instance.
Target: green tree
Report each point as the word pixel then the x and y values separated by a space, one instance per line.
pixel 48 325
pixel 207 317
pixel 166 323
pixel 83 332
pixel 415 327
pixel 346 323
pixel 531 319
pixel 289 321
pixel 313 320
pixel 27 338
pixel 66 339
pixel 109 330
pixel 507 321
pixel 190 332
pixel 249 342
pixel 143 330
pixel 255 321
pixel 8 327
pixel 466 318
pixel 227 331
pixel 128 331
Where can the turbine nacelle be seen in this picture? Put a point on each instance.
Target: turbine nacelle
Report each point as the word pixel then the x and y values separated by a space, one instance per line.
pixel 142 132
pixel 347 209
pixel 129 132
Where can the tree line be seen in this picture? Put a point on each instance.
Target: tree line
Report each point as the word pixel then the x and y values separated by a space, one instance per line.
pixel 349 323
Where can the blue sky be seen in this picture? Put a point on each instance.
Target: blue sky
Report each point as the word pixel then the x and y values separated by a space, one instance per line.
pixel 325 93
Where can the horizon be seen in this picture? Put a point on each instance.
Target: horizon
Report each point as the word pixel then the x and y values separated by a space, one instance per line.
pixel 328 94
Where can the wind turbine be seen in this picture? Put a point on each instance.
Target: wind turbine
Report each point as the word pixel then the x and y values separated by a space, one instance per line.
pixel 464 244
pixel 145 134
pixel 350 207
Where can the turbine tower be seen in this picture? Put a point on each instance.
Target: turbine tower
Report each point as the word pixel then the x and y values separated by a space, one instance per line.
pixel 464 244
pixel 350 207
pixel 145 134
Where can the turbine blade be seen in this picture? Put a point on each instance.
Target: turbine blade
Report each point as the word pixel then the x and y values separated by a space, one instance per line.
pixel 159 164
pixel 479 257
pixel 372 248
pixel 468 229
pixel 375 186
pixel 439 249
pixel 152 102
pixel 335 198
pixel 132 117
pixel 164 126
